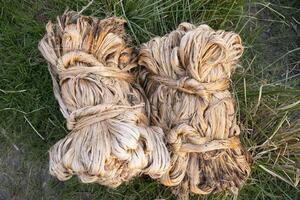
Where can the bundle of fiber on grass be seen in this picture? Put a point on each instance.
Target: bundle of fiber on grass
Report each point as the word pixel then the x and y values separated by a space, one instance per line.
pixel 186 76
pixel 110 140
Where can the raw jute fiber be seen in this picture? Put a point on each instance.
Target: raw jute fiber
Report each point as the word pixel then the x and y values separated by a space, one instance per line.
pixel 110 140
pixel 186 77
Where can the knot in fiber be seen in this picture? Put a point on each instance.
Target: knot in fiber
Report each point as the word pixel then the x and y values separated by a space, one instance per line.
pixel 191 85
pixel 88 65
pixel 92 114
pixel 186 76
pixel 110 140
pixel 185 139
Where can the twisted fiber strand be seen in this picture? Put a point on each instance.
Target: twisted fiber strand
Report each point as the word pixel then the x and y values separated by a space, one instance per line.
pixel 186 76
pixel 110 141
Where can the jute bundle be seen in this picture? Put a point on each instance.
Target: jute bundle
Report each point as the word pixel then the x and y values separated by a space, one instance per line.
pixel 110 140
pixel 186 79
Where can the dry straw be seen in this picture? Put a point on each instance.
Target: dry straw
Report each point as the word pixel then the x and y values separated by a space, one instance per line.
pixel 110 140
pixel 186 79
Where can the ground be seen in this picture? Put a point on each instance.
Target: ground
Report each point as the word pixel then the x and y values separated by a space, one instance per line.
pixel 266 85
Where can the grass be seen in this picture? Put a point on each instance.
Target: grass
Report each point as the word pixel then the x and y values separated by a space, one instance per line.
pixel 266 86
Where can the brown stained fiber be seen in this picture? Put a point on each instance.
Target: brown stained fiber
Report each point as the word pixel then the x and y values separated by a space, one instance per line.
pixel 110 140
pixel 186 79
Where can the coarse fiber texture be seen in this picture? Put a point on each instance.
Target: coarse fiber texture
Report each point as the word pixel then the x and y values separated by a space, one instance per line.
pixel 110 140
pixel 186 76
